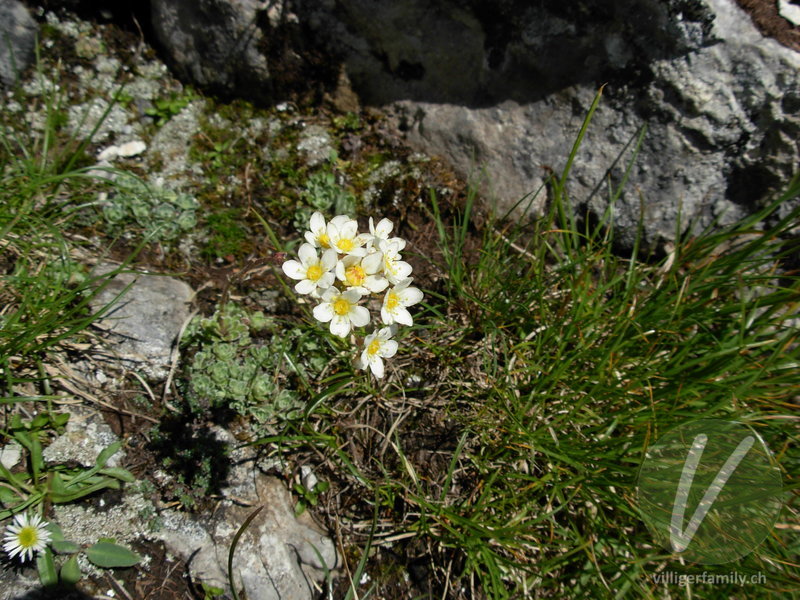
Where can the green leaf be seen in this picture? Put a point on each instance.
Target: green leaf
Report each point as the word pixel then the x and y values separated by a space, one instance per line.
pixel 107 453
pixel 211 591
pixel 70 571
pixel 47 568
pixel 108 555
pixel 56 534
pixel 64 547
pixel 119 473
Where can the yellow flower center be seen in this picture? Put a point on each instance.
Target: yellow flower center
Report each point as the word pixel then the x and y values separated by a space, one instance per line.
pixel 345 244
pixel 324 240
pixel 374 347
pixel 341 306
pixel 27 537
pixel 314 272
pixel 392 301
pixel 355 275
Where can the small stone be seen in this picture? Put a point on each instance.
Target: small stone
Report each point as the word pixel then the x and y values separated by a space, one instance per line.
pixel 133 148
pixel 789 11
pixel 10 454
pixel 108 154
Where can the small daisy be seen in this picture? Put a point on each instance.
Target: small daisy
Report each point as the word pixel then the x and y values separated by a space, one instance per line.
pixel 362 274
pixel 342 310
pixel 394 268
pixel 26 536
pixel 377 346
pixel 315 273
pixel 397 300
pixel 344 237
pixel 318 234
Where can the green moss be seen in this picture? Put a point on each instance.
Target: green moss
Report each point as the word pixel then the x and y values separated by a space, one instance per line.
pixel 228 236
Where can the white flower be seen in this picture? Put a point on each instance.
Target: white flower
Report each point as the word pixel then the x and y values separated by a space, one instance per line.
pixel 313 272
pixel 377 346
pixel 379 232
pixel 396 301
pixel 26 536
pixel 318 234
pixel 362 274
pixel 393 267
pixel 344 237
pixel 342 310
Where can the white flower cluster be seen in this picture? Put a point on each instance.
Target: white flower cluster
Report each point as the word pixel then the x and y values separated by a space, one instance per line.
pixel 339 267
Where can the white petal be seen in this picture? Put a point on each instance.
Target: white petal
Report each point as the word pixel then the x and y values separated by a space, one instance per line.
pixel 401 285
pixel 400 271
pixel 307 254
pixel 323 312
pixel 376 365
pixel 311 238
pixel 305 287
pixel 340 274
pixel 386 316
pixel 351 295
pixel 359 362
pixel 409 296
pixel 328 259
pixel 349 229
pixel 340 325
pixel 384 228
pixel 359 316
pixel 376 284
pixel 317 223
pixel 339 220
pixel 402 316
pixel 326 280
pixel 372 263
pixel 357 252
pixel 294 269
pixel 388 348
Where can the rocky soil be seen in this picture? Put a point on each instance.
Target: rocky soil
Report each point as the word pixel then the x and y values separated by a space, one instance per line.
pixel 211 165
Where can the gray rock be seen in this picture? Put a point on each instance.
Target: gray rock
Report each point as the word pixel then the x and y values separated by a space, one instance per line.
pixel 315 145
pixel 98 118
pixel 723 119
pixel 172 143
pixel 505 86
pixel 145 321
pixel 278 556
pixel 17 40
pixel 86 435
pixel 214 43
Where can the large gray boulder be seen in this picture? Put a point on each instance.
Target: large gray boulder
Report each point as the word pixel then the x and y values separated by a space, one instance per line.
pixel 504 86
pixel 17 40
